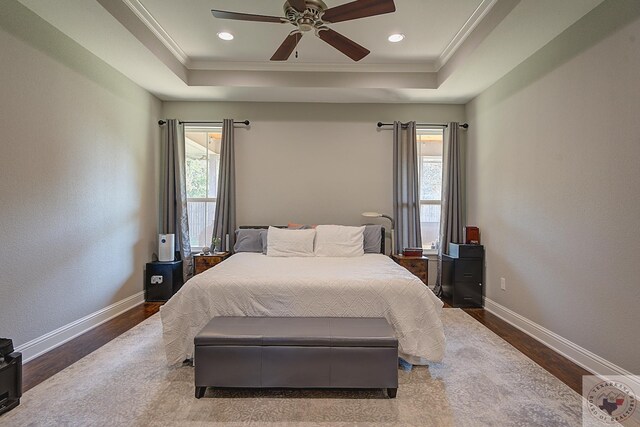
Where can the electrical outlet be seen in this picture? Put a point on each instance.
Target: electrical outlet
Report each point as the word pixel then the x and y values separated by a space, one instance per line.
pixel 156 280
pixel 503 284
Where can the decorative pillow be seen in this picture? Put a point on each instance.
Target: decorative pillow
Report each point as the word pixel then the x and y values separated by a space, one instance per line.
pixel 372 239
pixel 290 243
pixel 339 241
pixel 248 240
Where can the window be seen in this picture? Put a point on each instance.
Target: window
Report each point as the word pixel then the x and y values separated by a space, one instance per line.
pixel 202 148
pixel 430 176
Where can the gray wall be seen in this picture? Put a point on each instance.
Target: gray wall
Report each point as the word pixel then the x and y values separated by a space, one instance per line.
pixel 312 163
pixel 553 179
pixel 77 179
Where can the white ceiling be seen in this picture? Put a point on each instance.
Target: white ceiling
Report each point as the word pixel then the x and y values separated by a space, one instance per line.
pixel 454 48
pixel 195 30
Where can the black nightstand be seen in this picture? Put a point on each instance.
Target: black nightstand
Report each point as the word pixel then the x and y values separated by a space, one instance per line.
pixel 463 275
pixel 162 280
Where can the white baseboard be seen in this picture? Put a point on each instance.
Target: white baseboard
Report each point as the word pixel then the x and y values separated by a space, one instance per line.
pixel 579 355
pixel 36 347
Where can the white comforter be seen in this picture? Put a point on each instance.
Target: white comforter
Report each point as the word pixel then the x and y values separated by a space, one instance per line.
pixel 250 284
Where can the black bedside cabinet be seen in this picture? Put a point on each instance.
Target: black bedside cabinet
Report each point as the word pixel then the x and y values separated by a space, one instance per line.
pixel 169 274
pixel 463 275
pixel 10 381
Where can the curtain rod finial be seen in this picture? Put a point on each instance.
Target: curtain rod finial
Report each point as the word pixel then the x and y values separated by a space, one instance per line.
pixel 161 122
pixel 380 124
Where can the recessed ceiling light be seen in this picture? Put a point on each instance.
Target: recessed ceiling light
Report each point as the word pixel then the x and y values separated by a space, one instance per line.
pixel 395 38
pixel 225 36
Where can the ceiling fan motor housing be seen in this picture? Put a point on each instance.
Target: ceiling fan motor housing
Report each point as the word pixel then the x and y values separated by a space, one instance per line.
pixel 309 19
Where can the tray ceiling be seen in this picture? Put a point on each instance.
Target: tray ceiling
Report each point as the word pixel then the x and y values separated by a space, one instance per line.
pixel 429 26
pixel 453 49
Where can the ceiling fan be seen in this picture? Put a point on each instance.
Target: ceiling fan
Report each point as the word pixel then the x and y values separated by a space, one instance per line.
pixel 307 15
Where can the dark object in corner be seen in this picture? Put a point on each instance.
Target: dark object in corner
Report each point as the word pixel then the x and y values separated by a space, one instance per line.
pixel 10 376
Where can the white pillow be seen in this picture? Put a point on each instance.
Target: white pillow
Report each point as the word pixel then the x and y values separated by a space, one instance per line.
pixel 290 243
pixel 339 241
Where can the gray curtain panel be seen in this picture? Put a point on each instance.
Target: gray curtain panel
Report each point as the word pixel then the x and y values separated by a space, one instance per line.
pixel 225 218
pixel 452 213
pixel 173 192
pixel 406 190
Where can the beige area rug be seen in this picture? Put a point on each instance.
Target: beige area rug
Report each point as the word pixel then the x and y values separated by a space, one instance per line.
pixel 482 381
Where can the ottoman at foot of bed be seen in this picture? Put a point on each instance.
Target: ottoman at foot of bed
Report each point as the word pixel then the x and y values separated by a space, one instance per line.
pixel 296 352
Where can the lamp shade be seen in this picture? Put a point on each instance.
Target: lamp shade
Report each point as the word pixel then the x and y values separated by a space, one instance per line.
pixel 372 214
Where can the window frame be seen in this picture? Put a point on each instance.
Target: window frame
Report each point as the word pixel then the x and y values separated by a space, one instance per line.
pixel 208 130
pixel 428 202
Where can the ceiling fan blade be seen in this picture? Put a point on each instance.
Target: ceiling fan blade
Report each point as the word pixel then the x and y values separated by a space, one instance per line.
pixel 223 14
pixel 347 46
pixel 299 5
pixel 358 9
pixel 287 47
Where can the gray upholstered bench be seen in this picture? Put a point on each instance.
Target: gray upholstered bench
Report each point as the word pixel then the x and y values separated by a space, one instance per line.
pixel 296 352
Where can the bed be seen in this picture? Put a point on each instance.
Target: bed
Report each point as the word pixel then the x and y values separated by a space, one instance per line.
pixel 252 284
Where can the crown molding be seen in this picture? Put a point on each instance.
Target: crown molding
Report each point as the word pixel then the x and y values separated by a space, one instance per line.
pixel 315 79
pixel 205 64
pixel 147 19
pixel 476 17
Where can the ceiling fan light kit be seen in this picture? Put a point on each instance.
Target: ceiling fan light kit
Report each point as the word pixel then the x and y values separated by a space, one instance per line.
pixel 308 15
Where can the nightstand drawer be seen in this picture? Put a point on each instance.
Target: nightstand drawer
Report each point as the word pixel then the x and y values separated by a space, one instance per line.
pixel 204 262
pixel 468 270
pixel 416 265
pixel 467 294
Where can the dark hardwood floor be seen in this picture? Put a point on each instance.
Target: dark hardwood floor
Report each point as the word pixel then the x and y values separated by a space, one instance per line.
pixel 47 365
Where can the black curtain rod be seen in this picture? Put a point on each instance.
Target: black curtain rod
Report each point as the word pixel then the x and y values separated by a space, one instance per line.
pixel 245 122
pixel 464 125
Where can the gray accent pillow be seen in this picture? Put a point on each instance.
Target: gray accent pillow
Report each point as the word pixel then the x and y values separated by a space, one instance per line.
pixel 372 239
pixel 248 240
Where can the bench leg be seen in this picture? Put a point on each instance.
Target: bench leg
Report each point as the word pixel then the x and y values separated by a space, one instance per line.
pixel 392 392
pixel 200 392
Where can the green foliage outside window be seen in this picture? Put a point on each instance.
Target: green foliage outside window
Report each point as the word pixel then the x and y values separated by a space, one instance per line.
pixel 196 177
